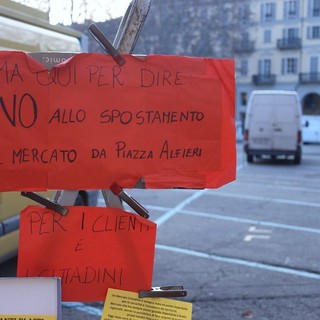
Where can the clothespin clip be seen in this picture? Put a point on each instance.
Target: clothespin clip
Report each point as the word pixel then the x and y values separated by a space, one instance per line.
pixel 163 292
pixel 106 44
pixel 45 202
pixel 133 203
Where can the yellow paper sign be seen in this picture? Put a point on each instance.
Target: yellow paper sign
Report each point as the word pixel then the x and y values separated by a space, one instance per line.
pixel 125 305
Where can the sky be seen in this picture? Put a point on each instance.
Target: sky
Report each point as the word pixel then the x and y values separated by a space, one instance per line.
pixel 118 7
pixel 100 10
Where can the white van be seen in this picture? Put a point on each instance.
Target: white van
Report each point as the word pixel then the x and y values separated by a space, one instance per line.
pixel 273 125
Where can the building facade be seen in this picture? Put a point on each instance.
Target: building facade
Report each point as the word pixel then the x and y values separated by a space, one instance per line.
pixel 280 52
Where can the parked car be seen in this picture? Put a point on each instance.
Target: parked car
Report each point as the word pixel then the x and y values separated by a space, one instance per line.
pixel 273 125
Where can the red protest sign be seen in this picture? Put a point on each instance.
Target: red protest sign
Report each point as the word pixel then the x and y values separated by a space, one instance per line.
pixel 91 249
pixel 166 119
pixel 23 122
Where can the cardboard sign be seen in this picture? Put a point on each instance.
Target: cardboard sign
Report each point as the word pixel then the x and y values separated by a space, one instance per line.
pixel 125 305
pixel 90 249
pixel 30 298
pixel 89 122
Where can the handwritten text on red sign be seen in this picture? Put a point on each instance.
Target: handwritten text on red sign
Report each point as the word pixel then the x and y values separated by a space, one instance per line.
pixel 90 249
pixel 167 119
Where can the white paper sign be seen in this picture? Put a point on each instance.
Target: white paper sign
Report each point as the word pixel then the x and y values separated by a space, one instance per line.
pixel 30 298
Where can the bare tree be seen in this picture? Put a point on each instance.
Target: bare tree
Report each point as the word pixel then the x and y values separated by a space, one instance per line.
pixel 194 27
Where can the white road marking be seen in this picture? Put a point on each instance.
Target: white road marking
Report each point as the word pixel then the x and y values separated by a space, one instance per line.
pixel 239 220
pixel 250 237
pixel 255 230
pixel 279 186
pixel 246 263
pixel 172 212
pixel 267 199
pixel 264 234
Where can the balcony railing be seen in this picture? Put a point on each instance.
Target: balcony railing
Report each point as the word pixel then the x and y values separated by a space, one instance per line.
pixel 289 43
pixel 264 79
pixel 311 77
pixel 243 46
